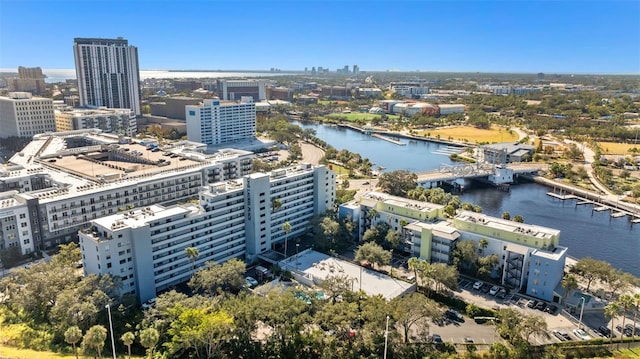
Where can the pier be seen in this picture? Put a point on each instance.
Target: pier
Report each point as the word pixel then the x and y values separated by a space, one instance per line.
pixel 617 210
pixel 388 139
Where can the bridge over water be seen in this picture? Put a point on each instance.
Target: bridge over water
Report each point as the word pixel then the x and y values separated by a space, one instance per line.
pixel 448 173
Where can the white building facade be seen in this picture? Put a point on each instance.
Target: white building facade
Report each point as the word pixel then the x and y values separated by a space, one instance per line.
pixel 108 73
pixel 110 120
pixel 234 219
pixel 215 122
pixel 23 115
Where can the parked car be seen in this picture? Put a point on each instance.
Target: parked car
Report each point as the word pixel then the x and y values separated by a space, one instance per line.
pixel 541 306
pixel 250 282
pixel 532 303
pixel 477 285
pixel 581 334
pixel 494 290
pixel 629 330
pixel 454 315
pixel 605 331
pixel 436 338
pixel 562 335
pixel 148 304
pixel 468 340
pixel 502 293
pixel 551 309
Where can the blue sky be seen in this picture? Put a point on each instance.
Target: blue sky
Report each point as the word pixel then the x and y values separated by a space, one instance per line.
pixel 486 36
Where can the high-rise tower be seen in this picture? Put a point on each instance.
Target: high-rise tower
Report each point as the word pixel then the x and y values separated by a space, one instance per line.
pixel 107 71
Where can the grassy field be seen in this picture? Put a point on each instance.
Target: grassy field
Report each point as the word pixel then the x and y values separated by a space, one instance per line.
pixel 9 352
pixel 613 148
pixel 474 135
pixel 359 116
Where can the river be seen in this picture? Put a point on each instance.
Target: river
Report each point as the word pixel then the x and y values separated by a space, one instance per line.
pixel 586 234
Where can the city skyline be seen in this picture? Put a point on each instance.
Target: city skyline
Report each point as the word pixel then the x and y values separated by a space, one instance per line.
pixel 461 36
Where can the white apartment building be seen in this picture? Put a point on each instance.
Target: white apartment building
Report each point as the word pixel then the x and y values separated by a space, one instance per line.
pixel 234 90
pixel 409 89
pixel 23 115
pixel 234 219
pixel 529 256
pixel 15 223
pixel 80 176
pixel 107 72
pixel 111 120
pixel 215 122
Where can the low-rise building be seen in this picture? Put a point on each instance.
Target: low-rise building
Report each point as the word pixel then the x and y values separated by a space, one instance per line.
pixel 109 120
pixel 506 152
pixel 529 256
pixel 447 109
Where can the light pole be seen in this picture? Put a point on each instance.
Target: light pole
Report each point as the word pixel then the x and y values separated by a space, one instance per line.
pixel 386 338
pixel 113 342
pixel 581 311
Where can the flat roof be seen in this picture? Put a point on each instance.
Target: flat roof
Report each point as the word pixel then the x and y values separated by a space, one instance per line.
pixel 320 266
pixel 530 230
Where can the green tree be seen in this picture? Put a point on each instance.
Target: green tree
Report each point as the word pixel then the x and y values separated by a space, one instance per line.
pixel 444 276
pixel 397 183
pixel 127 339
pixel 625 302
pixel 148 339
pixel 518 218
pixel 93 340
pixel 192 254
pixel 589 269
pixel 200 332
pixel 636 309
pixel 506 215
pixel 286 228
pixel 465 253
pixel 215 277
pixel 373 253
pixel 569 283
pixel 413 309
pixel 72 336
pixel 483 243
pixel 612 310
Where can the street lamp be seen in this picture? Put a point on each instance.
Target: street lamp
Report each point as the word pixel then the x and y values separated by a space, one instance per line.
pixel 581 311
pixel 386 338
pixel 113 342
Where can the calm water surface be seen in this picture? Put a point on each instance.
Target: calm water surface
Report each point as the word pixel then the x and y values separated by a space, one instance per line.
pixel 585 233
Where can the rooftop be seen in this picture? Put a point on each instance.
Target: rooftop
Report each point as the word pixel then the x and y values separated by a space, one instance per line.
pixel 530 230
pixel 319 266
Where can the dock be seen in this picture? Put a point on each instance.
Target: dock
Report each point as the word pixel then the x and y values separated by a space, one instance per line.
pixel 616 211
pixel 562 196
pixel 388 139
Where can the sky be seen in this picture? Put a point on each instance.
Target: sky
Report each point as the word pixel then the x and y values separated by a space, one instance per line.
pixel 467 36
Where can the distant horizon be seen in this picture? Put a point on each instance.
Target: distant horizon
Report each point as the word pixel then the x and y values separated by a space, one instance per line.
pixel 463 36
pixel 301 71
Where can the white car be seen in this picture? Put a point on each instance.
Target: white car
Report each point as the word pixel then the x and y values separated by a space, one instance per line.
pixel 581 334
pixel 148 304
pixel 477 285
pixel 251 282
pixel 494 290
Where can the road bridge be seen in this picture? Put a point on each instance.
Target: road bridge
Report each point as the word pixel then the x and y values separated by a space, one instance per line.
pixel 496 174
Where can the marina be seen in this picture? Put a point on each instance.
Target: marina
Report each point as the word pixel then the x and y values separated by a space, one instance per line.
pixel 587 233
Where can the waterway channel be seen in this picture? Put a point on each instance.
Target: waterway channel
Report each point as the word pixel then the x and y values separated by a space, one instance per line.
pixel 586 233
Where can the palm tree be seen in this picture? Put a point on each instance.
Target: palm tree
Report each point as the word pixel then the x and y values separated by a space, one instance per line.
pixel 149 338
pixel 94 339
pixel 612 310
pixel 569 282
pixel 275 204
pixel 72 336
pixel 636 304
pixel 414 265
pixel 626 302
pixel 483 243
pixel 127 339
pixel 373 214
pixel 286 228
pixel 192 254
